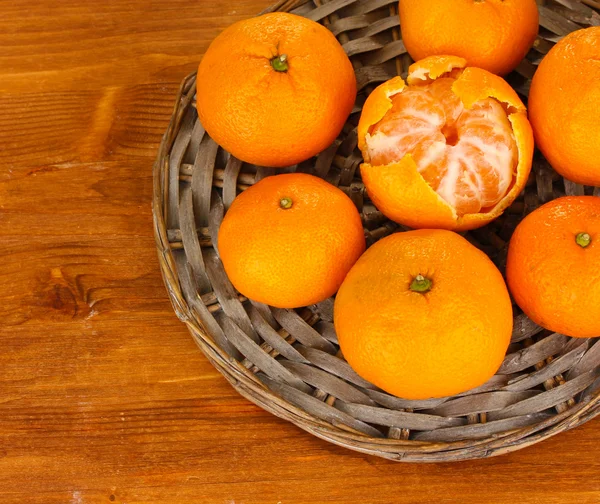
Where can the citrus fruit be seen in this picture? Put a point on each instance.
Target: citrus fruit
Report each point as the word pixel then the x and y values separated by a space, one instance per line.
pixel 450 149
pixel 564 106
pixel 424 314
pixel 289 240
pixel 491 34
pixel 275 90
pixel 553 266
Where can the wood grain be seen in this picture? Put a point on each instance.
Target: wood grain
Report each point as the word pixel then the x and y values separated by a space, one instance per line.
pixel 103 395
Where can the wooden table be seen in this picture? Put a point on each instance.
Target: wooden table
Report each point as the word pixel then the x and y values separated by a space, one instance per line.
pixel 104 396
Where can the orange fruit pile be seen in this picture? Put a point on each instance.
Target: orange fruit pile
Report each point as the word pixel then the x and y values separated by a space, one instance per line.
pixel 451 149
pixel 275 90
pixel 491 34
pixel 424 314
pixel 553 266
pixel 289 240
pixel 564 103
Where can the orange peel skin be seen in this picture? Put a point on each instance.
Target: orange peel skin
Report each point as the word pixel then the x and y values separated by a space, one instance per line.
pixel 398 189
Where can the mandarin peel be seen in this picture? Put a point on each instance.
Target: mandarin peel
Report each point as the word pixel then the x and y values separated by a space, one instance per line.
pixel 405 174
pixel 475 84
pixel 431 69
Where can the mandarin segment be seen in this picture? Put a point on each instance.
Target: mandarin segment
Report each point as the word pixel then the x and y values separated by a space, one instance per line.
pixel 376 106
pixel 413 317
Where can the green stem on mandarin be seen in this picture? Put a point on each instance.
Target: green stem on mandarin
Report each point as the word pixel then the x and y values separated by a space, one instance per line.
pixel 583 240
pixel 286 203
pixel 421 284
pixel 280 63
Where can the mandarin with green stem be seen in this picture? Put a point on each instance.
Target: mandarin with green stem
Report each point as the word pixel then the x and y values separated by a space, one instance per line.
pixel 424 314
pixel 553 266
pixel 275 90
pixel 289 240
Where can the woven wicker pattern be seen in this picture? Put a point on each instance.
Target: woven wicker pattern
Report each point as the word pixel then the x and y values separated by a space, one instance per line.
pixel 288 361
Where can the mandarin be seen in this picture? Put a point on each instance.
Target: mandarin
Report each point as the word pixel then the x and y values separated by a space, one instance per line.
pixel 564 106
pixel 424 314
pixel 491 34
pixel 553 266
pixel 275 90
pixel 451 149
pixel 289 240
